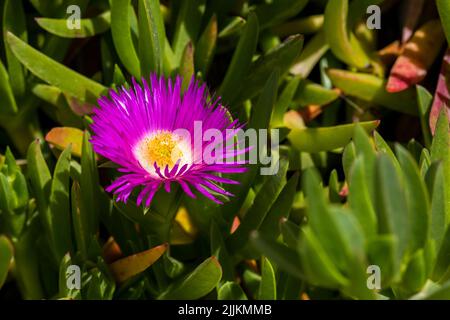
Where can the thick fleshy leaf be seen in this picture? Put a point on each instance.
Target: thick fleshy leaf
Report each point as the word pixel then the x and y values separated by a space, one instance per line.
pixel 196 284
pixel 55 73
pixel 319 268
pixel 79 221
pixel 328 236
pixel 436 186
pixel 65 109
pixel 127 267
pixel 382 252
pixel 100 285
pixel 26 256
pixel 313 52
pixel 440 151
pixel 393 214
pixel 285 258
pixel 40 178
pixel 205 47
pixel 6 255
pixel 417 198
pixel 310 93
pixel 284 102
pixel 417 57
pixel 62 137
pixel 290 232
pixel 64 291
pixel 271 13
pixel 280 209
pixel 281 58
pixel 260 208
pixel 424 100
pixel 14 21
pixel 433 291
pixel 326 138
pixel 121 33
pixel 343 43
pixel 152 37
pixel 359 197
pixel 233 27
pixel 444 13
pixel 259 119
pixel 372 89
pixel 88 27
pixel 59 206
pixel 231 291
pixel 187 68
pixel 307 25
pixel 267 288
pixel 442 266
pixel 9 105
pixel 241 61
pixel 14 196
pixel 89 186
pixel 442 94
pixel 220 250
pixel 354 246
pixel 187 27
pixel 415 274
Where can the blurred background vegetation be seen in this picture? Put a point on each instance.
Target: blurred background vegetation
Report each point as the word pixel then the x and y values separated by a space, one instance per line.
pixel 364 156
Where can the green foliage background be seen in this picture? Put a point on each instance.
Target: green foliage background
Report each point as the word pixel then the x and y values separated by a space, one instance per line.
pixel 346 197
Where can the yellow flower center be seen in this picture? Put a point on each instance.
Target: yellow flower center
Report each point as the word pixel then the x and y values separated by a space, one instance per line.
pixel 164 148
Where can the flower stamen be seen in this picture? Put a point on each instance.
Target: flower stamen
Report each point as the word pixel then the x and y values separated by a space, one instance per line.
pixel 164 149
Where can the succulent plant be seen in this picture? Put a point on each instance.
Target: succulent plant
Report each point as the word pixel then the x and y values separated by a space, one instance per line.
pixel 101 199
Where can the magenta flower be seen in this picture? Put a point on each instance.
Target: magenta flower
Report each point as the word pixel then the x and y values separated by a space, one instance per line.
pixel 148 130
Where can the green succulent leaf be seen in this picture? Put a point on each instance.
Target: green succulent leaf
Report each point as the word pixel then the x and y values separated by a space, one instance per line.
pixel 394 216
pixel 326 138
pixel 121 11
pixel 14 21
pixel 187 68
pixel 241 61
pixel 88 27
pixel 360 199
pixel 219 250
pixel 444 12
pixel 260 208
pixel 89 186
pixel 152 37
pixel 187 25
pixel 343 43
pixel 372 89
pixel 267 287
pixel 196 284
pixel 231 291
pixel 417 198
pixel 285 258
pixel 205 47
pixel 271 13
pixel 440 151
pixel 310 93
pixel 53 72
pixel 281 58
pixel 59 206
pixel 6 93
pixel 6 255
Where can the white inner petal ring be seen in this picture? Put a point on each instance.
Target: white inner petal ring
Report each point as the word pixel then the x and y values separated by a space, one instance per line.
pixel 165 148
